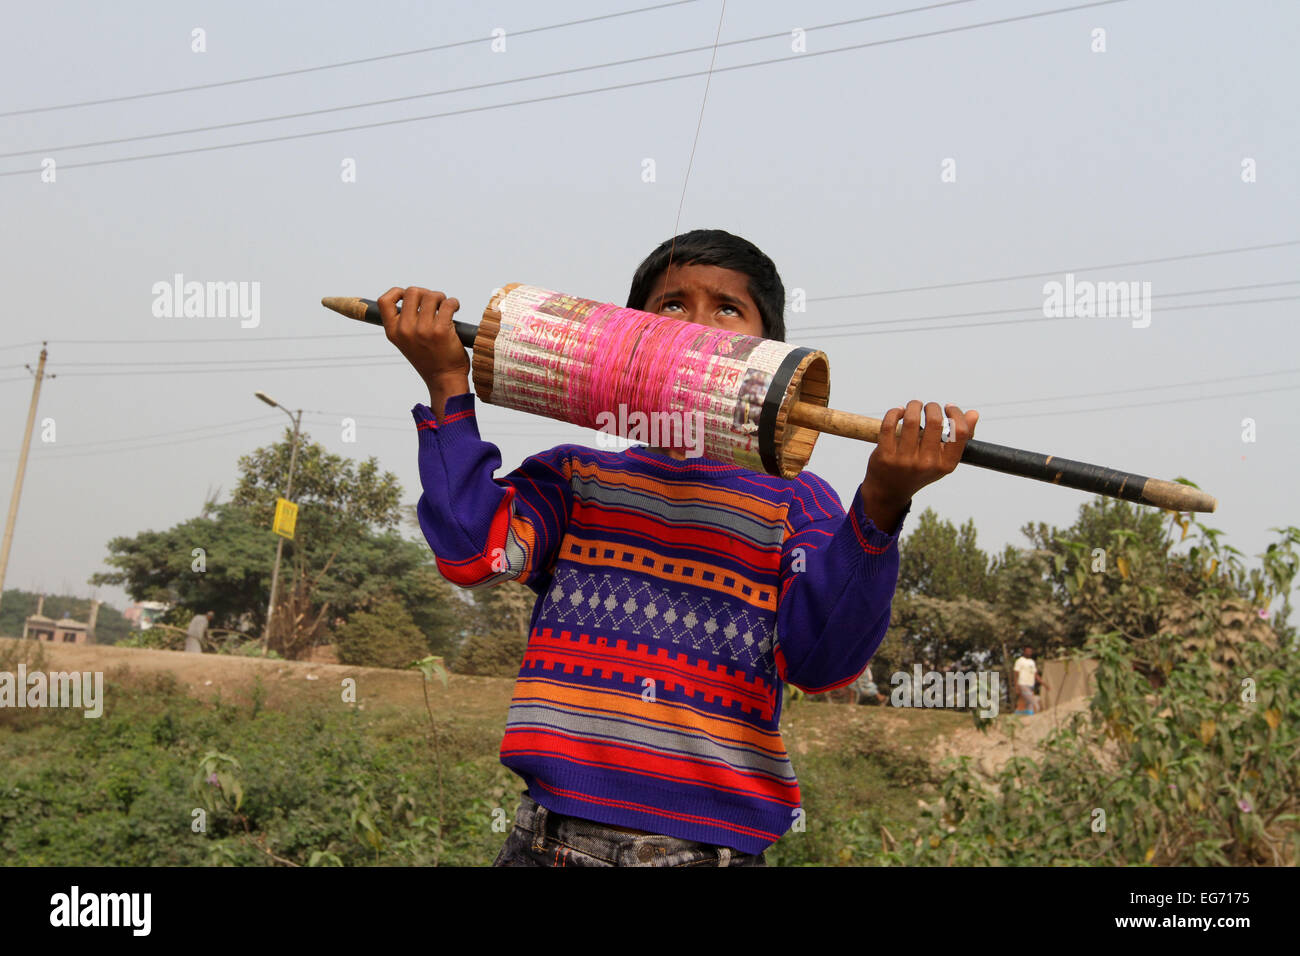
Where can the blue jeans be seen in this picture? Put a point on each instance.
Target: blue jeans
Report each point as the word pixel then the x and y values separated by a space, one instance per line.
pixel 543 838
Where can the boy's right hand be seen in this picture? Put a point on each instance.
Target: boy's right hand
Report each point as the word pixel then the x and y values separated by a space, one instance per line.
pixel 423 332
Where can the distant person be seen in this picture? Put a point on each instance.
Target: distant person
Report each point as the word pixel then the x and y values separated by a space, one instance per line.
pixel 1026 677
pixel 866 686
pixel 197 631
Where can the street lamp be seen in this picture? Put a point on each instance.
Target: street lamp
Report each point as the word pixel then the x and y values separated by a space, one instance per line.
pixel 288 494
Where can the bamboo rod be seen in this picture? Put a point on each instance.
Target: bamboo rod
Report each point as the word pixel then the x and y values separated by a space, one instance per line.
pixel 1028 464
pixel 1082 476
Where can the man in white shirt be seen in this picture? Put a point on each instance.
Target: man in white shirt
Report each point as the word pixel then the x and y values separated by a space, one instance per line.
pixel 198 629
pixel 866 686
pixel 1026 672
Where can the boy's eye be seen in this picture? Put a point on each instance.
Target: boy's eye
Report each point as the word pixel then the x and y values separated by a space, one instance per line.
pixel 673 302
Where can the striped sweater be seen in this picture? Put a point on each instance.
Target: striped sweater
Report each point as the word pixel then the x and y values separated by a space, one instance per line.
pixel 674 598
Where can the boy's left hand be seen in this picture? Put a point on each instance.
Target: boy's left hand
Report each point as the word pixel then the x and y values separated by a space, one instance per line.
pixel 905 463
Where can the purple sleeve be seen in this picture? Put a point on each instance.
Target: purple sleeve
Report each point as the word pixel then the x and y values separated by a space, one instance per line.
pixel 485 530
pixel 838 574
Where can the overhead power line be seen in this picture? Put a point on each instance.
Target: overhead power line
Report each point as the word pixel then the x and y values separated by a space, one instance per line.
pixel 1057 272
pixel 813 334
pixel 1146 404
pixel 816 329
pixel 977 325
pixel 397 360
pixel 826 298
pixel 217 430
pixel 377 416
pixel 124 449
pixel 337 65
pixel 76 452
pixel 241 340
pixel 313 361
pixel 561 96
pixel 1141 388
pixel 57 448
pixel 386 356
pixel 389 101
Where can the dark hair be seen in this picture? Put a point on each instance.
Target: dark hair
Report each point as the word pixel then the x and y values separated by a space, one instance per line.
pixel 714 247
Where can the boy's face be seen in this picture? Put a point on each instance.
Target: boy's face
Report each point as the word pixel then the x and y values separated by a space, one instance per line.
pixel 709 295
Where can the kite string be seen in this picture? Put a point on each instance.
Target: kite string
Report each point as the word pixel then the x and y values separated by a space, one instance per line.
pixel 695 142
pixel 658 373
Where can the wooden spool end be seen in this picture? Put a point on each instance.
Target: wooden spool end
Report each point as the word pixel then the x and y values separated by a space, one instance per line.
pixel 485 344
pixel 811 383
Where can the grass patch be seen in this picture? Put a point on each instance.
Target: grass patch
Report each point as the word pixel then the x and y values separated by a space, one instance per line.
pixel 310 780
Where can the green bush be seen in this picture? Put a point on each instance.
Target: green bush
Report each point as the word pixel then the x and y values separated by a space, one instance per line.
pixel 384 636
pixel 158 638
pixel 333 785
pixel 1187 754
pixel 15 651
pixel 495 654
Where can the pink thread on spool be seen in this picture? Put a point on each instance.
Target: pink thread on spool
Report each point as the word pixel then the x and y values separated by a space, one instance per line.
pixel 659 373
pixel 583 395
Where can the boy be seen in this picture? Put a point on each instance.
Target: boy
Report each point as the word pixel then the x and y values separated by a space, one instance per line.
pixel 675 595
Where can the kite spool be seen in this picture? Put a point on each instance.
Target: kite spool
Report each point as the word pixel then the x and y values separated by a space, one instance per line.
pixel 763 402
pixel 545 352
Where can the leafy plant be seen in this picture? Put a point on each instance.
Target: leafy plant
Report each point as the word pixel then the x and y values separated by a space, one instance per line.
pixel 1188 752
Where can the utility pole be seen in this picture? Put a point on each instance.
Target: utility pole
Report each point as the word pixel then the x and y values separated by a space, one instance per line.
pixel 22 468
pixel 288 494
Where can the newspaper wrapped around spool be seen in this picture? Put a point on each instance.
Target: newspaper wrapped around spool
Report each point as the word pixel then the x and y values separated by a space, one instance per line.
pixel 532 343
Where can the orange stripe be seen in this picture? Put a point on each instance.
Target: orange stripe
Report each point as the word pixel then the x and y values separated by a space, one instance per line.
pixel 629 705
pixel 677 576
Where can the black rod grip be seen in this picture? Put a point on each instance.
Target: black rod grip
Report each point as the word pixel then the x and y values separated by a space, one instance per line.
pixel 367 310
pixel 464 331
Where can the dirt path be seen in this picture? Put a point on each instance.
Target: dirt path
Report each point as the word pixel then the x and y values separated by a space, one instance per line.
pixel 235 679
pixel 1009 736
pixel 933 734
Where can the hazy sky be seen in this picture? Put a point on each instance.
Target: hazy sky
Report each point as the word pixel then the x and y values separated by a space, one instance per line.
pixel 1015 149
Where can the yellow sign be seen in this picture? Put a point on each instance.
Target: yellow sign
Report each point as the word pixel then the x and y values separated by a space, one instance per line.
pixel 286 517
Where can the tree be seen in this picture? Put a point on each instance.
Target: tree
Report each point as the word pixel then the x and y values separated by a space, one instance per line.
pixel 942 561
pixel 216 562
pixel 374 566
pixel 941 610
pixel 385 636
pixel 1186 755
pixel 336 496
pixel 1028 610
pixel 339 501
pixel 496 646
pixel 344 555
pixel 1093 562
